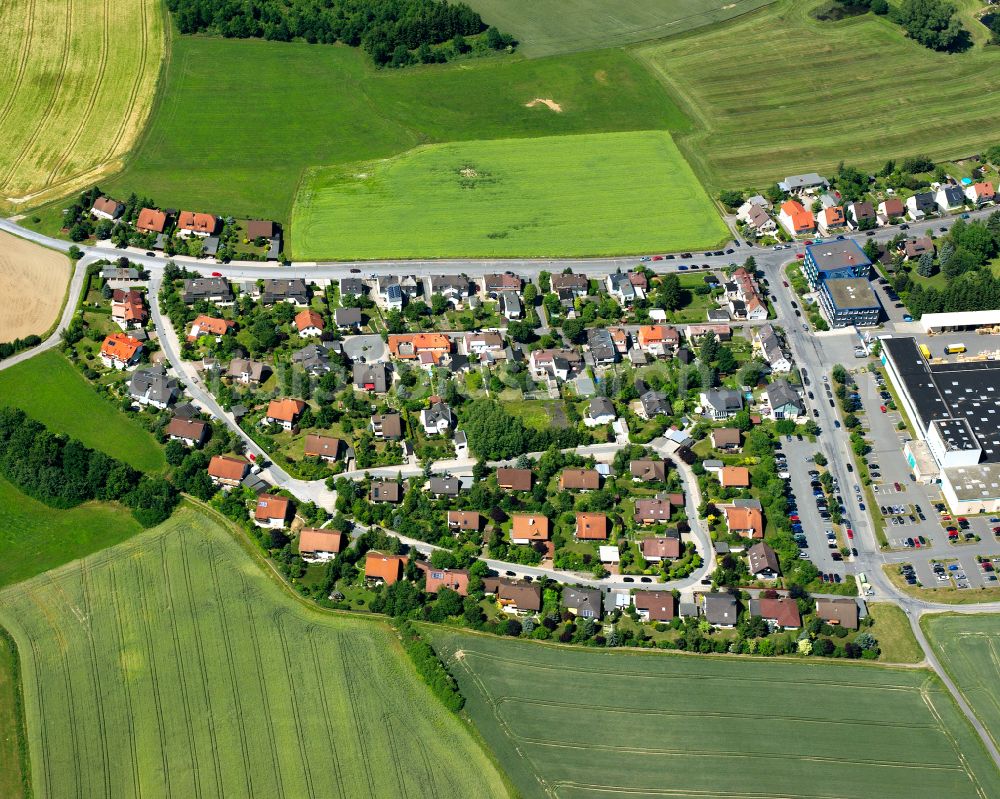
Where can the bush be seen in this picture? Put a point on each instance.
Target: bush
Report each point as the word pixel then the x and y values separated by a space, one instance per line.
pixel 430 668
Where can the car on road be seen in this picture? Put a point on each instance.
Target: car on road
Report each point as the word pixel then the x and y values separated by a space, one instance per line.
pixel 355 271
pixel 682 268
pixel 883 408
pixel 657 257
pixel 805 327
pixel 836 423
pixel 784 283
pixel 965 216
pixel 151 254
pixel 628 580
pixel 644 258
pixel 645 579
pixel 216 274
pixel 800 255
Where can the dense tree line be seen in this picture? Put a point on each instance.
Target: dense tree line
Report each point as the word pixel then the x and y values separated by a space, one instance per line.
pixel 934 24
pixel 388 30
pixel 430 668
pixel 62 472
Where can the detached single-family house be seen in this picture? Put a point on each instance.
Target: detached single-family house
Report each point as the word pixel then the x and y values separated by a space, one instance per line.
pixel 272 511
pixel 352 287
pixel 652 511
pixel 949 198
pixel 621 288
pixel 444 486
pixel 528 527
pixel 151 220
pixel 456 580
pixel 658 340
pixel 284 412
pixel 209 326
pixel 721 403
pixel 515 479
pixel 387 426
pixel 831 219
pixel 783 612
pixel 325 448
pixel 655 605
pixel 227 470
pixel 483 345
pixel 721 610
pixel 127 308
pixel 317 545
pixel 293 290
pixel 838 611
pixel 661 548
pixel 191 432
pixel 648 470
pixel 314 358
pixel 495 284
pixel 386 491
pixel 890 210
pixel 465 520
pixel 696 333
pixel 513 596
pixel 437 419
pixel 914 248
pixel 119 351
pixel 980 193
pixel 763 561
pixel 560 364
pixel 745 518
pixel 921 204
pixel 602 346
pixel 591 527
pixel 757 218
pixel 654 403
pixel 152 386
pixel 600 411
pixel 427 348
pixel 371 377
pixel 795 219
pixel 454 288
pixel 783 401
pixel 574 285
pixel 579 480
pixel 384 567
pixel 106 208
pixel 808 183
pixel 860 213
pixel 309 323
pixel 510 305
pixel 766 342
pixel 734 477
pixel 347 318
pixel 727 438
pixel 209 289
pixel 190 223
pixel 585 603
pixel 248 372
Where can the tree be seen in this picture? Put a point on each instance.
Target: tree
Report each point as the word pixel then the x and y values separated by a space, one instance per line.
pixel 933 23
pixel 530 293
pixel 573 330
pixel 669 295
pixel 820 459
pixel 731 198
pixel 925 265
pixel 726 361
pixel 521 331
pixel 175 452
pixel 438 304
pixel 708 350
pixel 493 433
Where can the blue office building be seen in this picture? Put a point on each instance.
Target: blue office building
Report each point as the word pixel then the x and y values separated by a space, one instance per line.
pixel 835 259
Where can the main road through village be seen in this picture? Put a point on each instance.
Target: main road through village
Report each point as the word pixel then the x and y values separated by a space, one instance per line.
pixel 807 348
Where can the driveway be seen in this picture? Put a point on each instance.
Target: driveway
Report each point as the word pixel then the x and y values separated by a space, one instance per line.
pixel 365 349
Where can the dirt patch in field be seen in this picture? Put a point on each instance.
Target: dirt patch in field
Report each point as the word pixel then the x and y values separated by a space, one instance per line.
pixel 32 284
pixel 551 104
pixel 601 76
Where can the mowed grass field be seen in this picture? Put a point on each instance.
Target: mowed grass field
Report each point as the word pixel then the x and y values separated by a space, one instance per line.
pixel 77 80
pixel 544 27
pixel 778 92
pixel 577 723
pixel 239 121
pixel 557 195
pixel 968 647
pixel 35 538
pixel 49 389
pixel 173 666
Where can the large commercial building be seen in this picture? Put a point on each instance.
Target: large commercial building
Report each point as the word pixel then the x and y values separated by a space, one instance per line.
pixel 849 301
pixel 835 259
pixel 955 408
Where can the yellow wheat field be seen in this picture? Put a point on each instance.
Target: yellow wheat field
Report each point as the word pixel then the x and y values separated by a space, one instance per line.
pixel 77 79
pixel 32 284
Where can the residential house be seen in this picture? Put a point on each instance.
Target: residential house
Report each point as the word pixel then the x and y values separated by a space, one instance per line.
pixel 757 218
pixel 190 223
pixel 654 403
pixel 744 518
pixel 347 318
pixel 661 548
pixel 513 596
pixel 394 297
pixel 921 204
pixel 386 491
pixel 766 342
pixel 284 412
pixel 248 372
pixel 483 345
pixel 658 340
pixel 515 479
pixel 721 610
pixel 831 220
pixel 325 448
pixel 437 419
pixel 890 210
pixel 838 611
pixel 584 603
pixel 648 470
pixel 579 480
pixel 454 288
pixel 444 486
pixel 602 346
pixel 600 411
pixel 783 401
pixel 261 229
pixel 293 290
pixel 727 438
pixel 621 339
pixel 809 183
pixel 559 364
pixel 228 471
pixel 621 288
pixel 734 477
pixel 575 285
pixel 763 561
pixel 127 308
pixel 317 545
pixel 384 567
pixel 151 220
pixel 795 219
pixel 152 386
pixel 591 527
pixel 191 432
pixel 209 326
pixel 949 198
pixel 695 333
pixel 782 612
pixel 456 580
pixel 314 358
pixel 106 208
pixel 652 511
pixel 209 289
pixel 528 527
pixel 980 193
pixel 272 511
pixel 914 248
pixel 721 403
pixel 309 323
pixel 373 377
pixel 119 277
pixel 119 351
pixel 495 284
pixel 859 214
pixel 510 305
pixel 409 286
pixel 352 287
pixel 387 426
pixel 658 606
pixel 639 279
pixel 427 348
pixel 465 520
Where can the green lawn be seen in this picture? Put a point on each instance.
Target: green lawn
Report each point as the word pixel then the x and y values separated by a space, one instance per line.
pixel 35 537
pixel 596 194
pixel 172 665
pixel 581 723
pixel 778 92
pixel 13 784
pixel 49 389
pixel 543 27
pixel 968 647
pixel 238 121
pixel 895 638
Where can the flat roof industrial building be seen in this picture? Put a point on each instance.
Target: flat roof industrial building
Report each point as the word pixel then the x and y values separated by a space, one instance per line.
pixel 850 301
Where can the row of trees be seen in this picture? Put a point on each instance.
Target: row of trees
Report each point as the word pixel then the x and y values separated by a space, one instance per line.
pixel 62 472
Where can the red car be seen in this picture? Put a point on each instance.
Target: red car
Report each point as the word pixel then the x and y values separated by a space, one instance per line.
pixel 809 241
pixel 216 274
pixel 784 283
pixel 657 257
pixel 800 255
pixel 882 408
pixel 850 533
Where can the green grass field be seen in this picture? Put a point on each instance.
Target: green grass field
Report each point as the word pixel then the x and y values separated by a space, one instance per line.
pixel 578 723
pixel 12 772
pixel 223 139
pixel 173 666
pixel 596 194
pixel 35 537
pixel 895 638
pixel 778 92
pixel 968 647
pixel 49 389
pixel 543 27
